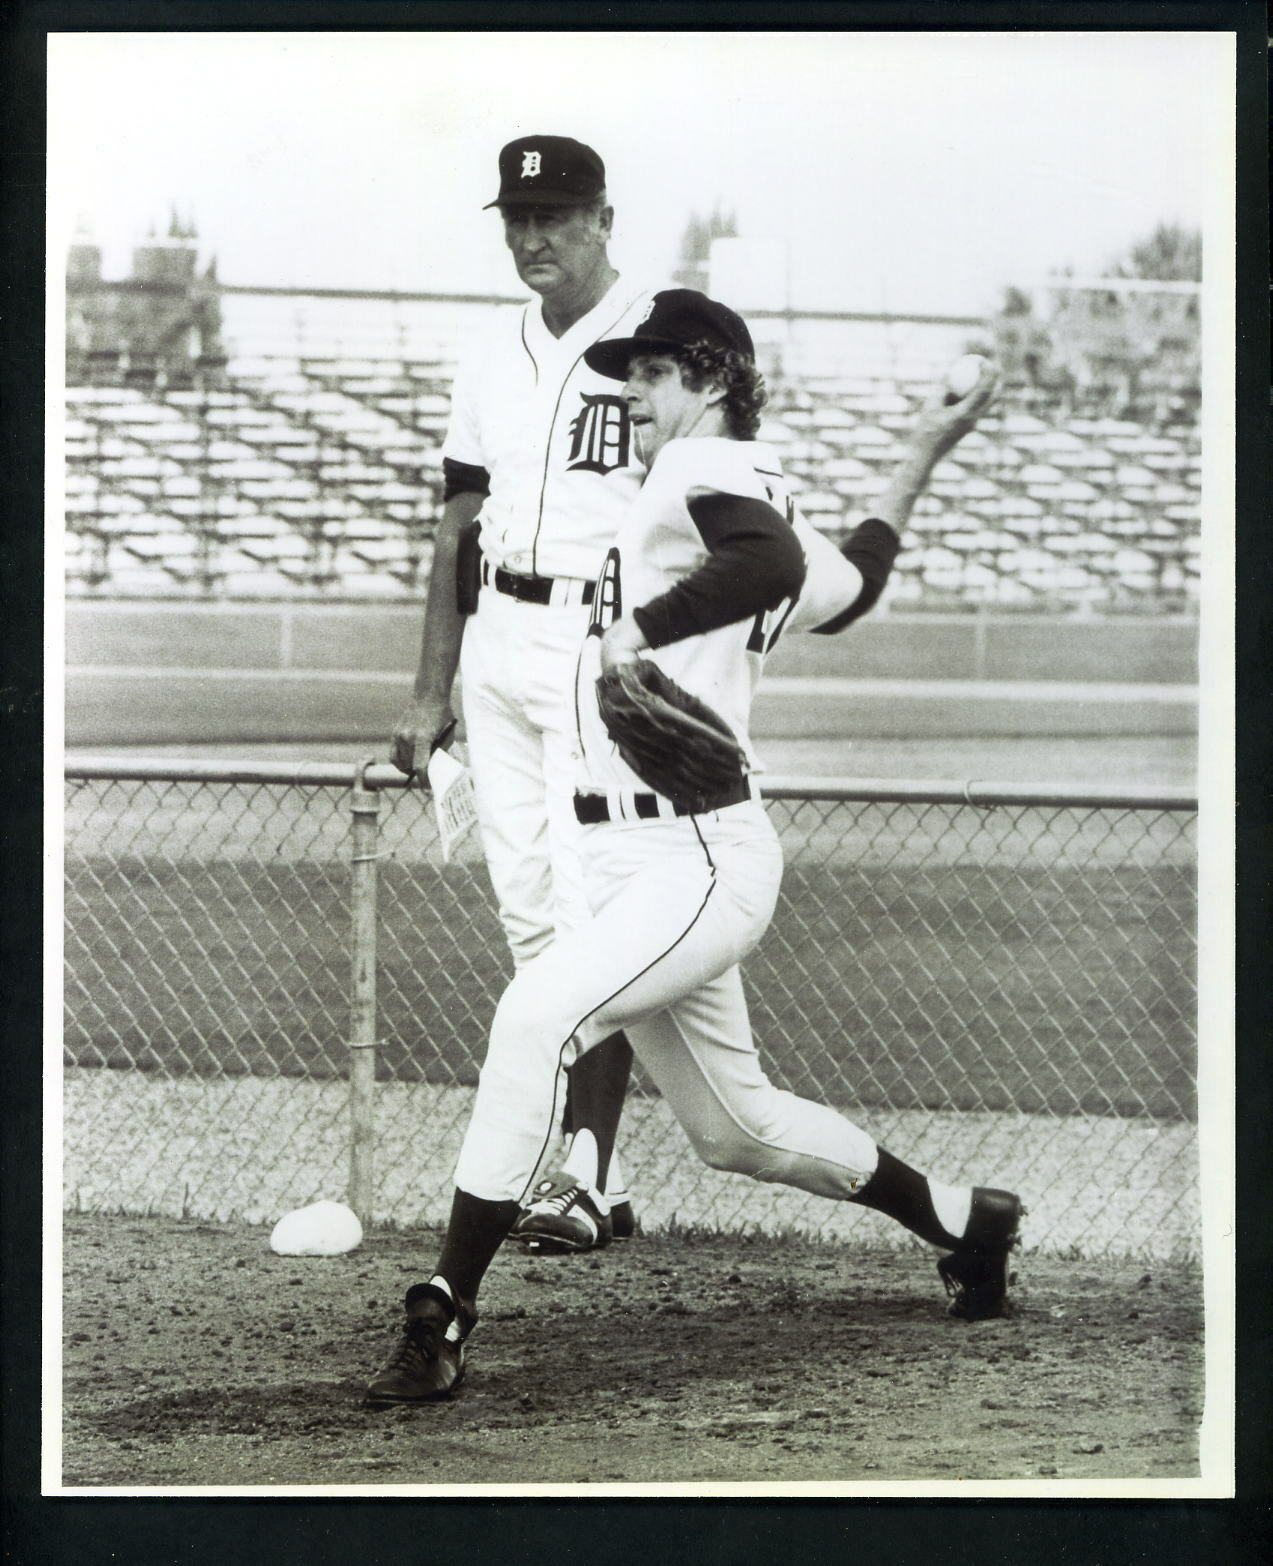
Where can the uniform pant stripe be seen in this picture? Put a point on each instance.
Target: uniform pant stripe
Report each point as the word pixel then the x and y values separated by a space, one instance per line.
pixel 565 1044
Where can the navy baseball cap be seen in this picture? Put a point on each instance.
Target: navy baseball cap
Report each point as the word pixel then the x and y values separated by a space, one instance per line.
pixel 678 317
pixel 552 171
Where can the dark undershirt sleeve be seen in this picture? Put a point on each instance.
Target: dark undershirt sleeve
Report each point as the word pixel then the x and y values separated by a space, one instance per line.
pixel 755 561
pixel 872 546
pixel 463 478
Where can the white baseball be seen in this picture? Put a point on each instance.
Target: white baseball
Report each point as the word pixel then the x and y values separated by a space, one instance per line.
pixel 963 375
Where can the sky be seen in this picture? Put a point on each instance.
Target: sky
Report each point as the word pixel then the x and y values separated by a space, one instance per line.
pixel 871 171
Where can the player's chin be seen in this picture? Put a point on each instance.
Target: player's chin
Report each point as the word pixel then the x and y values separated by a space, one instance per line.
pixel 538 274
pixel 647 442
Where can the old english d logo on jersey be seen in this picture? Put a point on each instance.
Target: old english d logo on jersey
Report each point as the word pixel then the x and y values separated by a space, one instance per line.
pixel 600 436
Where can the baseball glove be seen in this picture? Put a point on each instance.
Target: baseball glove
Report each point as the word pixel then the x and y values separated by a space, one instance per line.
pixel 670 739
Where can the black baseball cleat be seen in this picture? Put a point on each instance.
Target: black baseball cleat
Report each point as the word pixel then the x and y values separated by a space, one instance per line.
pixel 565 1217
pixel 976 1275
pixel 428 1363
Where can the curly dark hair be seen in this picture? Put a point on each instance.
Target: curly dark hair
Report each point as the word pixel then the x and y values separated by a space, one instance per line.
pixel 702 362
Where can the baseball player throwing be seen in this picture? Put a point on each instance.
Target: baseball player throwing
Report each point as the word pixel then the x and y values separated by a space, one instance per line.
pixel 540 449
pixel 682 864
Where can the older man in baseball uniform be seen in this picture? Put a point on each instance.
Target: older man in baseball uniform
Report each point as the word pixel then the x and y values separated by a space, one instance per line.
pixel 539 454
pixel 707 567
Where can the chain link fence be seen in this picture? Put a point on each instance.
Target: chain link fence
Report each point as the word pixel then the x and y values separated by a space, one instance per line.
pixel 272 997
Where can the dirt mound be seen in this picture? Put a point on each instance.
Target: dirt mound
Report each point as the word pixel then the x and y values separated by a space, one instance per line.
pixel 194 1356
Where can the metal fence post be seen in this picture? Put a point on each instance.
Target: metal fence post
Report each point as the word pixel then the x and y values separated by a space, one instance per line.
pixel 365 806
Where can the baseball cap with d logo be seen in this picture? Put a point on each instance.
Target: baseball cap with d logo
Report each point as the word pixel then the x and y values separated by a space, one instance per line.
pixel 550 171
pixel 678 317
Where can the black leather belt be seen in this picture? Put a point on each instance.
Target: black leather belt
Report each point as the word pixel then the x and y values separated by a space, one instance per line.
pixel 591 809
pixel 530 589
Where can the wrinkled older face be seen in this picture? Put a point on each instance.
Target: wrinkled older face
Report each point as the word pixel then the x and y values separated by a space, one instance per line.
pixel 662 407
pixel 557 249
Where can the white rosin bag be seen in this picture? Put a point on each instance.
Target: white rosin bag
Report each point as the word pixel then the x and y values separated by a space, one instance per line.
pixel 321 1229
pixel 453 801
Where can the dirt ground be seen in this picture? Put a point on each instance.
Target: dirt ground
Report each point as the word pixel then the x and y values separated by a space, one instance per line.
pixel 195 1356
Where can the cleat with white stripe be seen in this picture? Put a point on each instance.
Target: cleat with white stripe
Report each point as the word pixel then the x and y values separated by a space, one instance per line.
pixel 564 1216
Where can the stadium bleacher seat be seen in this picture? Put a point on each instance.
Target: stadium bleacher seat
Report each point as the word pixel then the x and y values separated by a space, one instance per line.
pixel 308 462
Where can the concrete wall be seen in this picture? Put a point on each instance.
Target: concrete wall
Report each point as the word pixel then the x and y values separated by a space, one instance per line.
pixel 169 672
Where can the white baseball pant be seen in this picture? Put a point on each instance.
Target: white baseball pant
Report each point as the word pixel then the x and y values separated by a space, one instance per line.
pixel 517 664
pixel 676 906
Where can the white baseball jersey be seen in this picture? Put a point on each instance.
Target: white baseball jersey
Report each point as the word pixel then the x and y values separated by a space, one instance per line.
pixel 831 583
pixel 553 435
pixel 658 545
